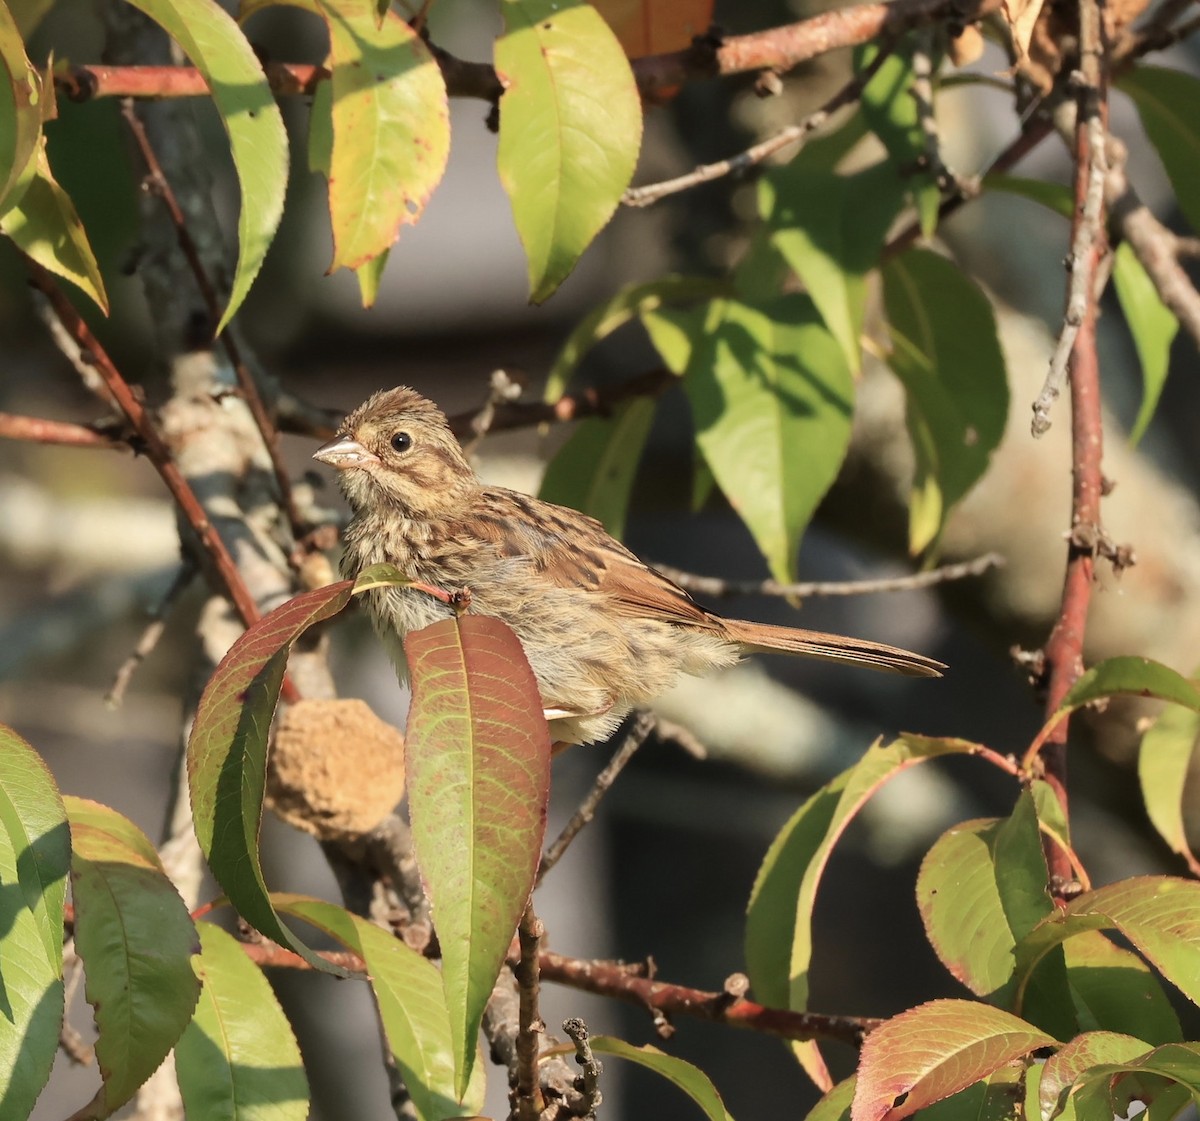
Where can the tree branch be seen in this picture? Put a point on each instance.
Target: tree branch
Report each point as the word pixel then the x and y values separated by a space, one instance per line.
pixel 40 431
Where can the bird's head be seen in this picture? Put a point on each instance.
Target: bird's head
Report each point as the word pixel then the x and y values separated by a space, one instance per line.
pixel 396 449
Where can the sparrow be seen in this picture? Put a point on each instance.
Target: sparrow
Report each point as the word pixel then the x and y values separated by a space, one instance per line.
pixel 602 630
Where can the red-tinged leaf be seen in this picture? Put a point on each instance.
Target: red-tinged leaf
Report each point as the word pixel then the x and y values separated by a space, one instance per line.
pixel 1081 1053
pixel 227 756
pixel 412 1006
pixel 238 1059
pixel 1159 915
pixel 136 940
pixel 34 858
pixel 655 26
pixel 933 1051
pixel 570 131
pixel 779 935
pixel 477 757
pixel 690 1079
pixel 390 128
pixel 1161 1080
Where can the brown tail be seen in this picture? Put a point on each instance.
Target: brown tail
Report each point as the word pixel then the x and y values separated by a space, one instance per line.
pixel 763 637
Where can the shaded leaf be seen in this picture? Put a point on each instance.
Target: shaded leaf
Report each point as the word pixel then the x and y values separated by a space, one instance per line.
pixel 1159 915
pixel 1153 326
pixel 570 130
pixel 1166 101
pixel 217 48
pixel 830 229
pixel 1164 760
pixel 628 303
pixel 835 1103
pixel 995 1098
pixel 20 112
pixel 1053 196
pixel 690 1079
pixel 779 941
pixel 412 1007
pixel 136 940
pixel 1081 1053
pixel 238 1059
pixel 382 136
pixel 655 26
pixel 933 1051
pixel 477 757
pixel 1162 1080
pixel 29 14
pixel 227 756
pixel 34 856
pixel 594 470
pixel 772 399
pixel 45 226
pixel 946 353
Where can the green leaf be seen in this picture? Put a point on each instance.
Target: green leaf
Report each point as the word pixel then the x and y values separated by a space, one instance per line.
pixel 1129 675
pixel 1080 1054
pixel 779 942
pixel 946 353
pixel 1163 98
pixel 1162 1079
pixel 629 303
pixel 34 857
pixel 477 759
pixel 691 1080
pixel 933 1051
pixel 570 130
pixel 1159 915
pixel 1053 196
pixel 390 128
pixel 1164 760
pixel 227 756
pixel 45 227
pixel 830 229
pixel 890 109
pixel 20 112
pixel 217 48
pixel 981 889
pixel 136 940
pixel 772 399
pixel 594 470
pixel 995 1098
pixel 238 1058
pixel 1153 326
pixel 412 1007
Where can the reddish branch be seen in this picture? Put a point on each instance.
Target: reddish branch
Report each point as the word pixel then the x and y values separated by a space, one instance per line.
pixel 40 431
pixel 778 49
pixel 154 446
pixel 624 982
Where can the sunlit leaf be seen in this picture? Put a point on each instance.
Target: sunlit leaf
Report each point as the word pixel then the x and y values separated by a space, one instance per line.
pixel 1153 326
pixel 1164 760
pixel 238 1059
pixel 1080 1054
pixel 1129 675
pixel 1166 101
pixel 412 1007
pixel 45 226
pixel 594 470
pixel 1112 1073
pixel 20 113
pixel 477 757
pixel 656 26
pixel 34 856
pixel 570 130
pixel 933 1051
pixel 217 48
pixel 136 940
pixel 772 399
pixel 779 935
pixel 946 352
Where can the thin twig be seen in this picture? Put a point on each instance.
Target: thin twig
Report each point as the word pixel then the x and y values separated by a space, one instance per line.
pixel 152 633
pixel 643 725
pixel 157 182
pixel 588 1082
pixel 717 587
pixel 528 1091
pixel 156 450
pixel 38 430
pixel 796 135
pixel 921 90
pixel 503 389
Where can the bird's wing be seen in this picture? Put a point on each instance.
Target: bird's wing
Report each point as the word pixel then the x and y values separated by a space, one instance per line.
pixel 573 550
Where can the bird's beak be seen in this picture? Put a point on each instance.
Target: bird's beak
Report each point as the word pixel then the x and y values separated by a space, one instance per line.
pixel 343 453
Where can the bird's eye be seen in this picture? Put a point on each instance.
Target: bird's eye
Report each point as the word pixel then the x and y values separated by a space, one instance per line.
pixel 401 442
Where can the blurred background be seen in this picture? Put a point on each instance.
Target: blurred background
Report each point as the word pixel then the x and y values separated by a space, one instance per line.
pixel 88 545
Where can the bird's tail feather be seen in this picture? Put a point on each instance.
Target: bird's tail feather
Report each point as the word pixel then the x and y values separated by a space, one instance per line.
pixel 763 637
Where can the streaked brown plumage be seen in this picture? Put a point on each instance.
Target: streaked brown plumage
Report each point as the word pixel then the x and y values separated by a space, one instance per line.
pixel 603 631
